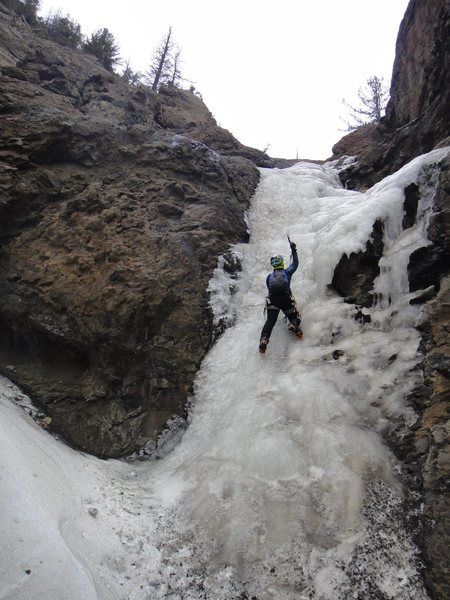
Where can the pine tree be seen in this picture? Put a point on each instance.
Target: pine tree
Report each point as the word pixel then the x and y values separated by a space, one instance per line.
pixel 165 65
pixel 130 76
pixel 26 8
pixel 103 45
pixel 176 77
pixel 373 99
pixel 63 30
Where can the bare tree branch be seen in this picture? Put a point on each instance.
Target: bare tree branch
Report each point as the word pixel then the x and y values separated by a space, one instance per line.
pixel 165 65
pixel 373 99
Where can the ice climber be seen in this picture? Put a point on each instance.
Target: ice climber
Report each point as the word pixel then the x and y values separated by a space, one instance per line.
pixel 280 297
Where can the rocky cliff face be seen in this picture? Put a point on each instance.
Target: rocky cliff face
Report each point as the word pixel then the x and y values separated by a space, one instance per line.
pixel 417 120
pixel 115 205
pixel 417 116
pixel 430 443
pixel 420 75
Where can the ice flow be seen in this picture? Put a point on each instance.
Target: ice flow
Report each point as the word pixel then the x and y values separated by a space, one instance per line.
pixel 281 486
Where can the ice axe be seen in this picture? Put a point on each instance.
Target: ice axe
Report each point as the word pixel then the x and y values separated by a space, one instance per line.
pixel 289 240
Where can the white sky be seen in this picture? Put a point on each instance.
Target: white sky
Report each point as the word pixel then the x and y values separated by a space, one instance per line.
pixel 271 73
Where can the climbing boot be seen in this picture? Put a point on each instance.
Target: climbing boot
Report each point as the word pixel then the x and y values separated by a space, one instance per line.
pixel 263 345
pixel 296 331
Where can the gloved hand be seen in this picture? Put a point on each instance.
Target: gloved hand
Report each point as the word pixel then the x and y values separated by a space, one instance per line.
pixel 293 246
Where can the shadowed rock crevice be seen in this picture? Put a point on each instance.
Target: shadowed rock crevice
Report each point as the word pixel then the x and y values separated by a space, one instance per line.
pixel 354 274
pixel 430 263
pixel 410 205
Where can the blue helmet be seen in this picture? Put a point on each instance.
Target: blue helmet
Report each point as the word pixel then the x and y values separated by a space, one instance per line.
pixel 277 262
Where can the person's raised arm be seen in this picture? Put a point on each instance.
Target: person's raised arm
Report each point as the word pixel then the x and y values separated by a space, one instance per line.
pixel 294 265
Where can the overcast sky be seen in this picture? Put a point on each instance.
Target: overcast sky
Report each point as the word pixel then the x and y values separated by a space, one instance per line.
pixel 273 73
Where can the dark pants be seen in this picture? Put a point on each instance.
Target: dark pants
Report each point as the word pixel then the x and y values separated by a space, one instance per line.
pixel 275 304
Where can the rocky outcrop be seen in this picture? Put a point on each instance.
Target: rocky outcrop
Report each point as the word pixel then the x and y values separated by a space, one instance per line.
pixel 354 275
pixel 432 435
pixel 115 204
pixel 184 112
pixel 420 75
pixel 417 116
pixel 417 120
pixel 425 449
pixel 431 443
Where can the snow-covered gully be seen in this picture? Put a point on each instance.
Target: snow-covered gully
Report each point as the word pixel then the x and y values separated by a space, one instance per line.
pixel 281 487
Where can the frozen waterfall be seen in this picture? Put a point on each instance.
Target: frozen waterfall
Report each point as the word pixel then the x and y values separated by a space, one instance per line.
pixel 281 487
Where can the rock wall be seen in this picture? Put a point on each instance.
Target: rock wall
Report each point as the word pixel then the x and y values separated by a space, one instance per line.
pixel 417 120
pixel 115 204
pixel 431 438
pixel 417 116
pixel 420 76
pixel 425 448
